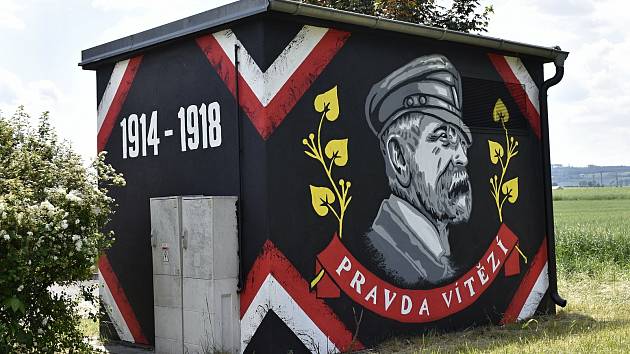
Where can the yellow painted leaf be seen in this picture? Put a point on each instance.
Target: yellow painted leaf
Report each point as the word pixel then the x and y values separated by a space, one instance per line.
pixel 329 103
pixel 500 112
pixel 510 188
pixel 337 150
pixel 496 151
pixel 321 197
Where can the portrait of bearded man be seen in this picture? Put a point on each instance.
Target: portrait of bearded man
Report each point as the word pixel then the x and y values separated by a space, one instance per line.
pixel 416 114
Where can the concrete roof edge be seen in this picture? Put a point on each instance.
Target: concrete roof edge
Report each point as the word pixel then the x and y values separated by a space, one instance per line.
pixel 323 13
pixel 90 58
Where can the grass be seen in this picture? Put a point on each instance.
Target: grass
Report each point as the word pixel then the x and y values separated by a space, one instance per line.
pixel 593 250
pixel 604 193
pixel 593 236
pixel 597 320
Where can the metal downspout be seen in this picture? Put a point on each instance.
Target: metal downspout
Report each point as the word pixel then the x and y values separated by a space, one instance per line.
pixel 551 241
pixel 239 203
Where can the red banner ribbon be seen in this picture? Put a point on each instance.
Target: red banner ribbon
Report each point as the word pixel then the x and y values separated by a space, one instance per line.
pixel 344 272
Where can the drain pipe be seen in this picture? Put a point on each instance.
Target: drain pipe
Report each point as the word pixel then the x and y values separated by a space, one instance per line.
pixel 551 241
pixel 239 205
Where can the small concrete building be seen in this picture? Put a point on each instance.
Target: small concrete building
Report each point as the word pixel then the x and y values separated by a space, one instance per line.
pixel 306 179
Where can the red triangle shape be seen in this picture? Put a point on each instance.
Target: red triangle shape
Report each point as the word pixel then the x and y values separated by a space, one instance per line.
pixel 267 118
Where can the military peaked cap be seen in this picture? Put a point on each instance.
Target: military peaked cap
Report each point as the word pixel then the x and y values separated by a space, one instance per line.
pixel 429 85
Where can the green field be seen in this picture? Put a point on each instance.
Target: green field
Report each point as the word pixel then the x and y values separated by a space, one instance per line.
pixel 593 236
pixel 593 250
pixel 605 193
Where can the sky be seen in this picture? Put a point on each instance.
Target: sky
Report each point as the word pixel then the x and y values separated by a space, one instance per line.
pixel 42 42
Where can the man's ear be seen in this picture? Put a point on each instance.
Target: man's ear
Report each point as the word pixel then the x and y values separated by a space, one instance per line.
pixel 398 161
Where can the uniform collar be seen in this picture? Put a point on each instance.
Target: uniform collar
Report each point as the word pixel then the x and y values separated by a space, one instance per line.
pixel 419 226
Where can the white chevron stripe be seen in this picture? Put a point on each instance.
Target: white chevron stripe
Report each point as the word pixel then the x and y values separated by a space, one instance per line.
pixel 266 85
pixel 521 73
pixel 536 295
pixel 272 296
pixel 110 91
pixel 112 310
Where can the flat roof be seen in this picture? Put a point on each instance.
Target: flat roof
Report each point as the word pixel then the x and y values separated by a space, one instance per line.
pixel 90 58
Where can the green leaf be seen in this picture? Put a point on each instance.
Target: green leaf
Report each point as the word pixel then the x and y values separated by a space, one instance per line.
pixel 14 304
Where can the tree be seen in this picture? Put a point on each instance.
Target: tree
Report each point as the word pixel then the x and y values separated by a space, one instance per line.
pixel 463 15
pixel 52 210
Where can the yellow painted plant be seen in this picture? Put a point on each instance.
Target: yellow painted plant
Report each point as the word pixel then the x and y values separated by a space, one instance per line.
pixel 332 197
pixel 334 154
pixel 502 188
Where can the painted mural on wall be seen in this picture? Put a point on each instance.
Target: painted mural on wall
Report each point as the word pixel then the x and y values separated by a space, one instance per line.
pixel 379 196
pixel 415 114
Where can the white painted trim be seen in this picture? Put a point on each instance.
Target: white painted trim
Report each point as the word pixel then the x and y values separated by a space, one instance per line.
pixel 521 73
pixel 266 85
pixel 112 310
pixel 272 296
pixel 536 295
pixel 110 91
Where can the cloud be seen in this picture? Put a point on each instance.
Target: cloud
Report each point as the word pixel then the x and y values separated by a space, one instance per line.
pixel 72 114
pixel 9 18
pixel 37 95
pixel 588 108
pixel 134 16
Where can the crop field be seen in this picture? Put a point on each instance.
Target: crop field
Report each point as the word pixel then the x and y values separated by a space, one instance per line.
pixel 593 252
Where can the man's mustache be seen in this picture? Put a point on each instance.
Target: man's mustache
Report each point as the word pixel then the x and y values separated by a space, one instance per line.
pixel 455 178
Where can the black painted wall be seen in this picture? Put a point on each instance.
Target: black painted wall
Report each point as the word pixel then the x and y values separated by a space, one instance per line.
pixel 276 173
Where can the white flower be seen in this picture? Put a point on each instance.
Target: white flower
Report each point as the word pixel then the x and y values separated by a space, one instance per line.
pixel 77 221
pixel 29 233
pixel 64 224
pixel 40 331
pixel 75 237
pixel 7 237
pixel 78 245
pixel 47 205
pixel 20 288
pixel 44 321
pixel 74 196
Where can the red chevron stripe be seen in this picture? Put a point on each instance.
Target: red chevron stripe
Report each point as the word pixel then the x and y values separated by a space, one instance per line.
pixel 273 262
pixel 517 91
pixel 110 278
pixel 117 102
pixel 527 284
pixel 267 119
pixel 112 283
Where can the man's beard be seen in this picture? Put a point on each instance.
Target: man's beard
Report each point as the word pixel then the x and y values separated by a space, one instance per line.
pixel 451 197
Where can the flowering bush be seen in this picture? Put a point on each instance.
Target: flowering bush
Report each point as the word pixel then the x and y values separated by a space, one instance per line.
pixel 52 211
